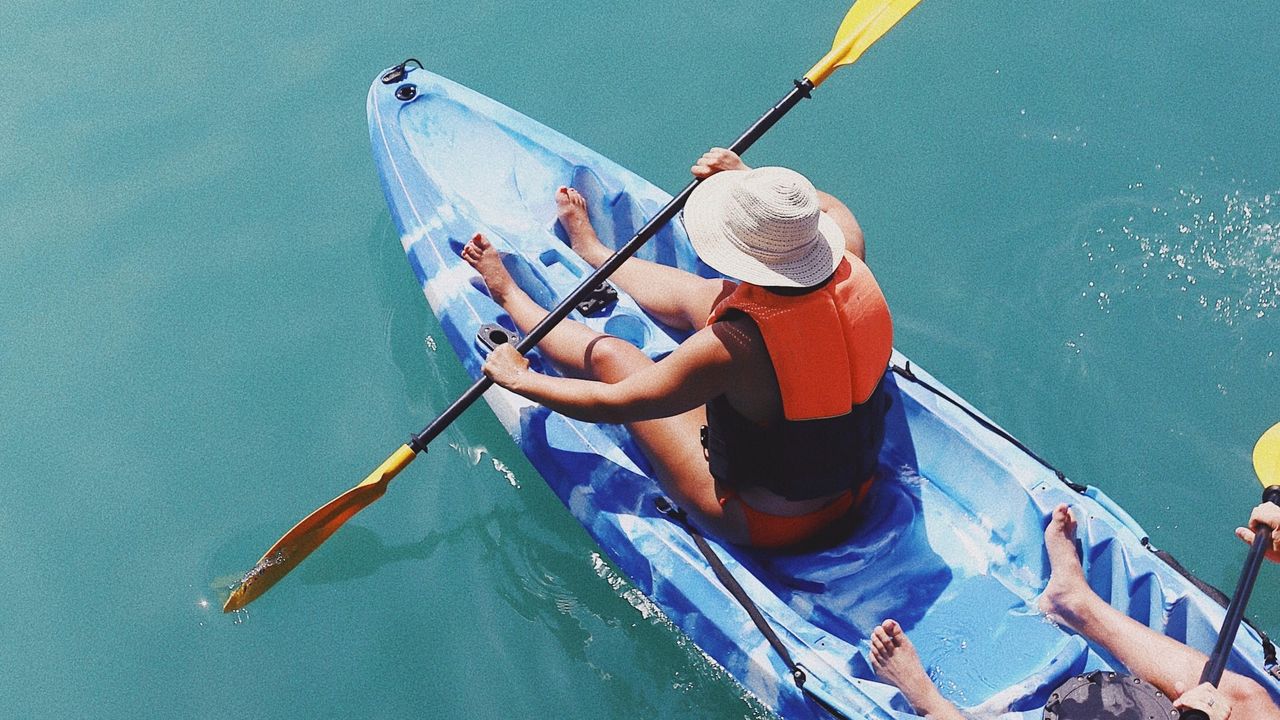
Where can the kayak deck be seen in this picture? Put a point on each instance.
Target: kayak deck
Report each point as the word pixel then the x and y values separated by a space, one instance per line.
pixel 950 543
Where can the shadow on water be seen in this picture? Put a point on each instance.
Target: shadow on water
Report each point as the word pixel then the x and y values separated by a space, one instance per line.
pixel 351 553
pixel 356 552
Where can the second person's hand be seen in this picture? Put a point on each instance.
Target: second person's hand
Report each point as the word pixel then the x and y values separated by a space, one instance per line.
pixel 1265 514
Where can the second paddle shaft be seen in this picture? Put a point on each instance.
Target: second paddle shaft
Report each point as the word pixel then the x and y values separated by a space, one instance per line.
pixel 1217 663
pixel 421 440
pixel 1235 611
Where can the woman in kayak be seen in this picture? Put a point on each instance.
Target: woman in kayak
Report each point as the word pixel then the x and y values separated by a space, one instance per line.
pixel 766 423
pixel 1169 665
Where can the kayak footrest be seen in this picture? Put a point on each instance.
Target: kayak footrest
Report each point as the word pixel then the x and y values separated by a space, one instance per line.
pixel 599 299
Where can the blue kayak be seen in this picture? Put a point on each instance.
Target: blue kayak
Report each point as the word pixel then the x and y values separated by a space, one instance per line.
pixel 951 545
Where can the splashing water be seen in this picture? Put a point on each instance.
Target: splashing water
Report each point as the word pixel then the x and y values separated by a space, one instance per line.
pixel 1216 251
pixel 619 584
pixel 474 454
pixel 263 565
pixel 506 472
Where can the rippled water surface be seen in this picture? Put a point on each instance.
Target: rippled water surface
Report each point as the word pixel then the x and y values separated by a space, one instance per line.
pixel 208 327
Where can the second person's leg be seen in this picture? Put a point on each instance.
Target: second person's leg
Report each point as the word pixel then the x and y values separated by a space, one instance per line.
pixel 1162 661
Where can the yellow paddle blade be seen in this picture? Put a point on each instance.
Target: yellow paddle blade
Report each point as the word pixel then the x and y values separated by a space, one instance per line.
pixel 867 22
pixel 1266 457
pixel 314 530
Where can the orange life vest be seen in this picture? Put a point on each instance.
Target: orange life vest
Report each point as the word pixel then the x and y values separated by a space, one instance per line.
pixel 829 347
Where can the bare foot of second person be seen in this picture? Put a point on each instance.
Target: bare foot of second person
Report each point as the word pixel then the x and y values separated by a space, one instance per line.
pixel 894 658
pixel 1068 591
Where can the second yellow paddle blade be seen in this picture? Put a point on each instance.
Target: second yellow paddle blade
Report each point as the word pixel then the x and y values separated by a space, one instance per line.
pixel 314 529
pixel 866 22
pixel 1266 457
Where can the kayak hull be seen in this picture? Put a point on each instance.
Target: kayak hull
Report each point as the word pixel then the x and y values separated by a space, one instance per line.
pixel 950 543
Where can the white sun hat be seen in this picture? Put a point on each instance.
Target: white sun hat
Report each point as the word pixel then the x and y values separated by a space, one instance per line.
pixel 763 226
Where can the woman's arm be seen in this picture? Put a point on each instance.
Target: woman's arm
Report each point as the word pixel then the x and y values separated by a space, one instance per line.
pixel 848 224
pixel 700 369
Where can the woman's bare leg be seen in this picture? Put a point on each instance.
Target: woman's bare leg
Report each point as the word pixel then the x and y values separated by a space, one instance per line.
pixel 894 658
pixel 1160 660
pixel 680 299
pixel 671 444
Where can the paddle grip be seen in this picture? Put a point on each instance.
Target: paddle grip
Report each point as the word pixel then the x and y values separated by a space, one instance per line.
pixel 1217 663
pixel 421 440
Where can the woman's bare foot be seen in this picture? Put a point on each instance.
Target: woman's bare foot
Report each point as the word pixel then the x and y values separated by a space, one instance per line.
pixel 571 209
pixel 1068 591
pixel 481 255
pixel 895 661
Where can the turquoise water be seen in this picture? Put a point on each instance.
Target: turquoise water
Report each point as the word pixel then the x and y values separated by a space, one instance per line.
pixel 209 328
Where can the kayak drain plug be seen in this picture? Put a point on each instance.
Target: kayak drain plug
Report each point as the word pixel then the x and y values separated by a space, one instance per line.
pixel 407 92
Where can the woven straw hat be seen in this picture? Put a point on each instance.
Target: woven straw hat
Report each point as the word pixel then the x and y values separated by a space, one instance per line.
pixel 763 226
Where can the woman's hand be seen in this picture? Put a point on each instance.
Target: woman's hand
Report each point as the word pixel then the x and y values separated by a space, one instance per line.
pixel 716 160
pixel 1265 514
pixel 1207 699
pixel 506 367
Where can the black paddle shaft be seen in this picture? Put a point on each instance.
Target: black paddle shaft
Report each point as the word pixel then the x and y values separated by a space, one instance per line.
pixel 1217 663
pixel 420 441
